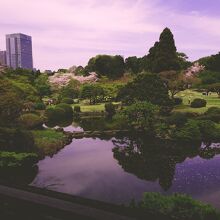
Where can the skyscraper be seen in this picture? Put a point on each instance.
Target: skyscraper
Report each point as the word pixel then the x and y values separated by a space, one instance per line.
pixel 3 58
pixel 19 51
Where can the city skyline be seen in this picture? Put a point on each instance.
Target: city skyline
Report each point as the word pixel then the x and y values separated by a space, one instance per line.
pixel 69 32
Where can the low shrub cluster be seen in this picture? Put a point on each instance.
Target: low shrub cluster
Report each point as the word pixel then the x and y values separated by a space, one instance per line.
pixel 198 103
pixel 30 121
pixel 67 101
pixel 176 207
pixel 39 106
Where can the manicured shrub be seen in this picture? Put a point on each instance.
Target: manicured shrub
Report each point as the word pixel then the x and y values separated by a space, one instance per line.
pixel 30 121
pixel 198 103
pixel 176 207
pixel 16 140
pixel 177 101
pixel 67 101
pixel 77 108
pixel 55 114
pixel 110 109
pixel 39 106
pixel 67 109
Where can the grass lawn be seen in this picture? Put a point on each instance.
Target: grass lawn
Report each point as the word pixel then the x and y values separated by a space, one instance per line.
pixel 48 141
pixel 212 101
pixel 92 108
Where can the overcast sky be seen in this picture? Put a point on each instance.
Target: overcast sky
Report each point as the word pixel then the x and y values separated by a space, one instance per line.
pixel 69 32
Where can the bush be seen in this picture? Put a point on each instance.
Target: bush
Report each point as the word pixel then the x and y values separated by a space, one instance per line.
pixel 67 101
pixel 190 132
pixel 77 108
pixel 212 114
pixel 177 207
pixel 110 109
pixel 39 106
pixel 177 118
pixel 67 109
pixel 177 101
pixel 165 110
pixel 198 103
pixel 12 159
pixel 55 114
pixel 30 121
pixel 16 140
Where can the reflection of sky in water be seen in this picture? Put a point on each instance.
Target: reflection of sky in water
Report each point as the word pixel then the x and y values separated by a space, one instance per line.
pixel 87 168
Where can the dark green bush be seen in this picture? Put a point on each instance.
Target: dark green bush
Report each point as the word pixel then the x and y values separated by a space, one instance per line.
pixel 177 118
pixel 177 101
pixel 165 110
pixel 30 121
pixel 177 207
pixel 67 109
pixel 212 114
pixel 39 106
pixel 16 140
pixel 110 109
pixel 67 101
pixel 77 108
pixel 55 114
pixel 198 103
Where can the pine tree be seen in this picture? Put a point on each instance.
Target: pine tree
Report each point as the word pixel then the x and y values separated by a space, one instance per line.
pixel 163 55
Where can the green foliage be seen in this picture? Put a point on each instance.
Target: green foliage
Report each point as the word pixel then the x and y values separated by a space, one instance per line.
pixel 54 114
pixel 10 103
pixel 177 207
pixel 209 77
pixel 42 85
pixel 163 55
pixel 93 92
pixel 198 103
pixel 177 101
pixel 16 140
pixel 30 121
pixel 77 108
pixel 68 110
pixel 105 65
pixel 110 109
pixel 214 88
pixel 212 63
pixel 177 118
pixel 39 106
pixel 67 101
pixel 132 65
pixel 212 114
pixel 14 160
pixel 71 91
pixel 145 87
pixel 141 116
pixel 190 132
pixel 49 141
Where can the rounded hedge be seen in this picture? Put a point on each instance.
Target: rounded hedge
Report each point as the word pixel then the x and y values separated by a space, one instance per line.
pixel 198 103
pixel 54 114
pixel 67 109
pixel 67 101
pixel 30 121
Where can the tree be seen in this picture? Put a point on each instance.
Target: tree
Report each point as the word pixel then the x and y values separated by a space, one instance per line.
pixel 183 60
pixel 174 81
pixel 71 91
pixel 214 88
pixel 141 116
pixel 105 65
pixel 42 85
pixel 163 55
pixel 92 92
pixel 132 65
pixel 145 87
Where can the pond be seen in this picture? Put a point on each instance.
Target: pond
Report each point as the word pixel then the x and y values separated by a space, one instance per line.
pixel 118 170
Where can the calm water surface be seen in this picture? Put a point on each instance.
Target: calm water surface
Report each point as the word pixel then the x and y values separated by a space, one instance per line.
pixel 91 168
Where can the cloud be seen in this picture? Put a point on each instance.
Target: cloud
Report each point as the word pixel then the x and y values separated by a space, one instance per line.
pixel 68 32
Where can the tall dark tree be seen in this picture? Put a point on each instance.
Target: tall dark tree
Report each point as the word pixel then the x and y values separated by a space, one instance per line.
pixel 163 55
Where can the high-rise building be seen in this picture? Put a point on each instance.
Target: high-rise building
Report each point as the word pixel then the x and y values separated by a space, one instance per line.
pixel 3 61
pixel 19 51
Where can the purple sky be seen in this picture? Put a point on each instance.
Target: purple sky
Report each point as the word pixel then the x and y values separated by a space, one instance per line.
pixel 69 32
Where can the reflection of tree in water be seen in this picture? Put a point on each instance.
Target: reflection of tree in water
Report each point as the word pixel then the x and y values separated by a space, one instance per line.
pixel 151 159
